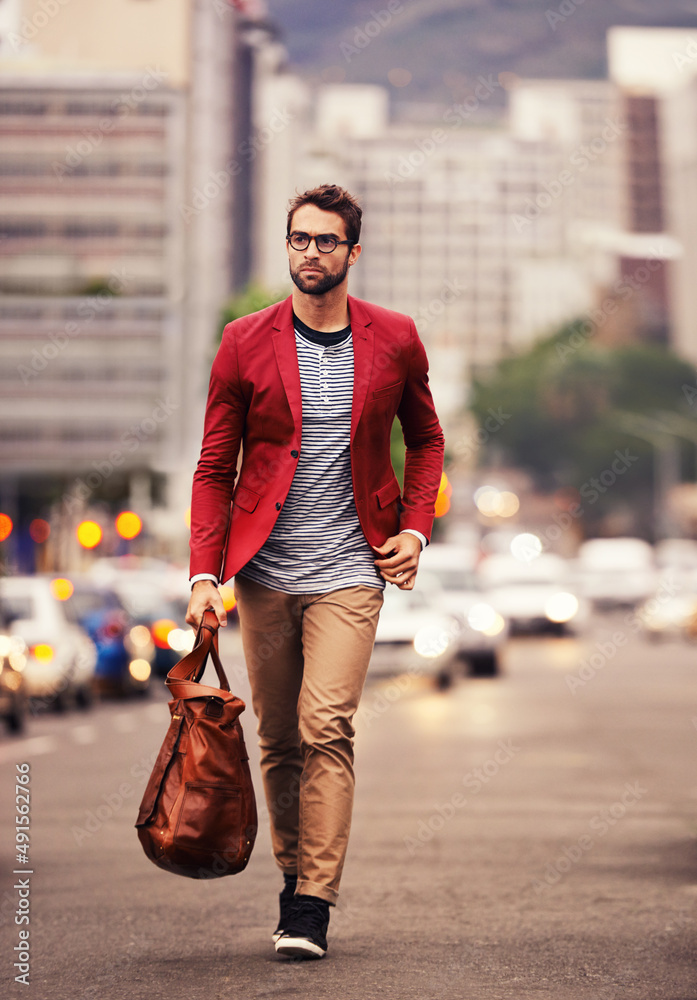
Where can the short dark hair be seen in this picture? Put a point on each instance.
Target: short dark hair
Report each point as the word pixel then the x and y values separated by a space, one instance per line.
pixel 330 198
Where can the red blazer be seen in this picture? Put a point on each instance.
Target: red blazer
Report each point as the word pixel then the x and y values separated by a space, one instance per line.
pixel 254 403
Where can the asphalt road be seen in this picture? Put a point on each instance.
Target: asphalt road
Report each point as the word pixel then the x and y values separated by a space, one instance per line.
pixel 528 836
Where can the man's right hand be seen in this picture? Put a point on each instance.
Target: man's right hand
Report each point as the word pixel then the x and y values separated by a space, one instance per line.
pixel 205 594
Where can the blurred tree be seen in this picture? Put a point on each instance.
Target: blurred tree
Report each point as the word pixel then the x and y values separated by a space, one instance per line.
pixel 397 450
pixel 252 299
pixel 567 404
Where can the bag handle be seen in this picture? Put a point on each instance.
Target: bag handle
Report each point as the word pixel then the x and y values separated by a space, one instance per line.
pixel 192 666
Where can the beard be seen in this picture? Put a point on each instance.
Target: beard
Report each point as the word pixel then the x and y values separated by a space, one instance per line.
pixel 315 285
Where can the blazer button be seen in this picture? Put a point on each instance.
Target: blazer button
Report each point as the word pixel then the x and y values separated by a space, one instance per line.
pixel 294 453
pixel 278 506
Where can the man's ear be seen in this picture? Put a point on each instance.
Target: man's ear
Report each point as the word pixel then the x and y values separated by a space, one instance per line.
pixel 356 251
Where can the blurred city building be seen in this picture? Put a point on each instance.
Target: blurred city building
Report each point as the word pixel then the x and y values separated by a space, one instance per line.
pixel 116 252
pixel 482 235
pixel 580 202
pixel 147 154
pixel 655 70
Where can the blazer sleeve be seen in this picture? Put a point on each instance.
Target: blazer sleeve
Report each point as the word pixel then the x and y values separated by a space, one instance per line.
pixel 214 478
pixel 425 444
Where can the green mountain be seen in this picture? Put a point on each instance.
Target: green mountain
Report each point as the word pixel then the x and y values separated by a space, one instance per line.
pixel 443 46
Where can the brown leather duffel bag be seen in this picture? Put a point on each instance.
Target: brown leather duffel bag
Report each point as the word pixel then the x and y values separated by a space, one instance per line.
pixel 198 816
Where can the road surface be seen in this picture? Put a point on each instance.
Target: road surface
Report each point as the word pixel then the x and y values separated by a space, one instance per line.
pixel 528 836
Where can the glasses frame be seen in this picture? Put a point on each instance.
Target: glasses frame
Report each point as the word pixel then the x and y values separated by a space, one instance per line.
pixel 337 243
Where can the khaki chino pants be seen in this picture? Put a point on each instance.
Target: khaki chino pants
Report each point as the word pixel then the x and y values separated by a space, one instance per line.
pixel 307 657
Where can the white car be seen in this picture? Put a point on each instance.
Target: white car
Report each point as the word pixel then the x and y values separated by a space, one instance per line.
pixel 445 619
pixel 616 572
pixel 669 616
pixel 535 596
pixel 412 632
pixel 483 630
pixel 58 659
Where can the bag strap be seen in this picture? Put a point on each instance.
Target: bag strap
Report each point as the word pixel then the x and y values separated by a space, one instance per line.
pixel 191 667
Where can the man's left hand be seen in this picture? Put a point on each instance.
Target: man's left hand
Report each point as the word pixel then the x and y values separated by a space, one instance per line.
pixel 400 560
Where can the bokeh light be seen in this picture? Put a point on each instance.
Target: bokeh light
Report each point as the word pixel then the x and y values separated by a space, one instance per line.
pixel 89 534
pixel 561 607
pixel 526 547
pixel 5 527
pixel 181 640
pixel 399 77
pixel 160 632
pixel 139 670
pixel 442 504
pixel 61 588
pixel 443 499
pixel 228 596
pixel 39 530
pixel 128 524
pixel 492 502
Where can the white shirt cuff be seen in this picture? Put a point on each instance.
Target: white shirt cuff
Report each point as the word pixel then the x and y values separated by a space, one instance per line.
pixel 413 531
pixel 203 576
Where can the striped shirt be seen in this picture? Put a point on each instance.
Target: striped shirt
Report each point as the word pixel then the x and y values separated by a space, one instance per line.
pixel 317 544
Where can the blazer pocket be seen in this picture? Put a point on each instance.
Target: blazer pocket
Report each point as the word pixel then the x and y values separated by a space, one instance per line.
pixel 388 494
pixel 246 499
pixel 387 390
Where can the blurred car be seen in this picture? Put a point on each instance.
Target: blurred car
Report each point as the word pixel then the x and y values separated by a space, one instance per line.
pixel 483 630
pixel 125 650
pixel 156 595
pixel 668 616
pixel 616 572
pixel 59 658
pixel 676 559
pixel 409 623
pixel 535 596
pixel 13 695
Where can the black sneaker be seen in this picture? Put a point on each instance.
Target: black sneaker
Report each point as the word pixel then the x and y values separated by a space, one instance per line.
pixel 306 933
pixel 287 902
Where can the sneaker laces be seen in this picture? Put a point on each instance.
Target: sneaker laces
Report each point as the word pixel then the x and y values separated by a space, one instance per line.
pixel 309 915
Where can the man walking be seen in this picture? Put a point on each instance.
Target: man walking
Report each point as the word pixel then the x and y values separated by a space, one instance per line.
pixel 308 390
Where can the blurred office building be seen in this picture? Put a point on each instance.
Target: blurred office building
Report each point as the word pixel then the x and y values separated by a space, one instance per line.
pixel 492 233
pixel 479 233
pixel 116 252
pixel 655 70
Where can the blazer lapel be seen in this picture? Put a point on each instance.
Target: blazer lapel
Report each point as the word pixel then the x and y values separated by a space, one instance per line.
pixel 363 348
pixel 287 360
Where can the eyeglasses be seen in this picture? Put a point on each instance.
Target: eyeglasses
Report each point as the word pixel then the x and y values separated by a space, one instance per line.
pixel 324 243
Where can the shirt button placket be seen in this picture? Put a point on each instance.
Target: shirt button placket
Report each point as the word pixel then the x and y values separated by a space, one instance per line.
pixel 323 377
